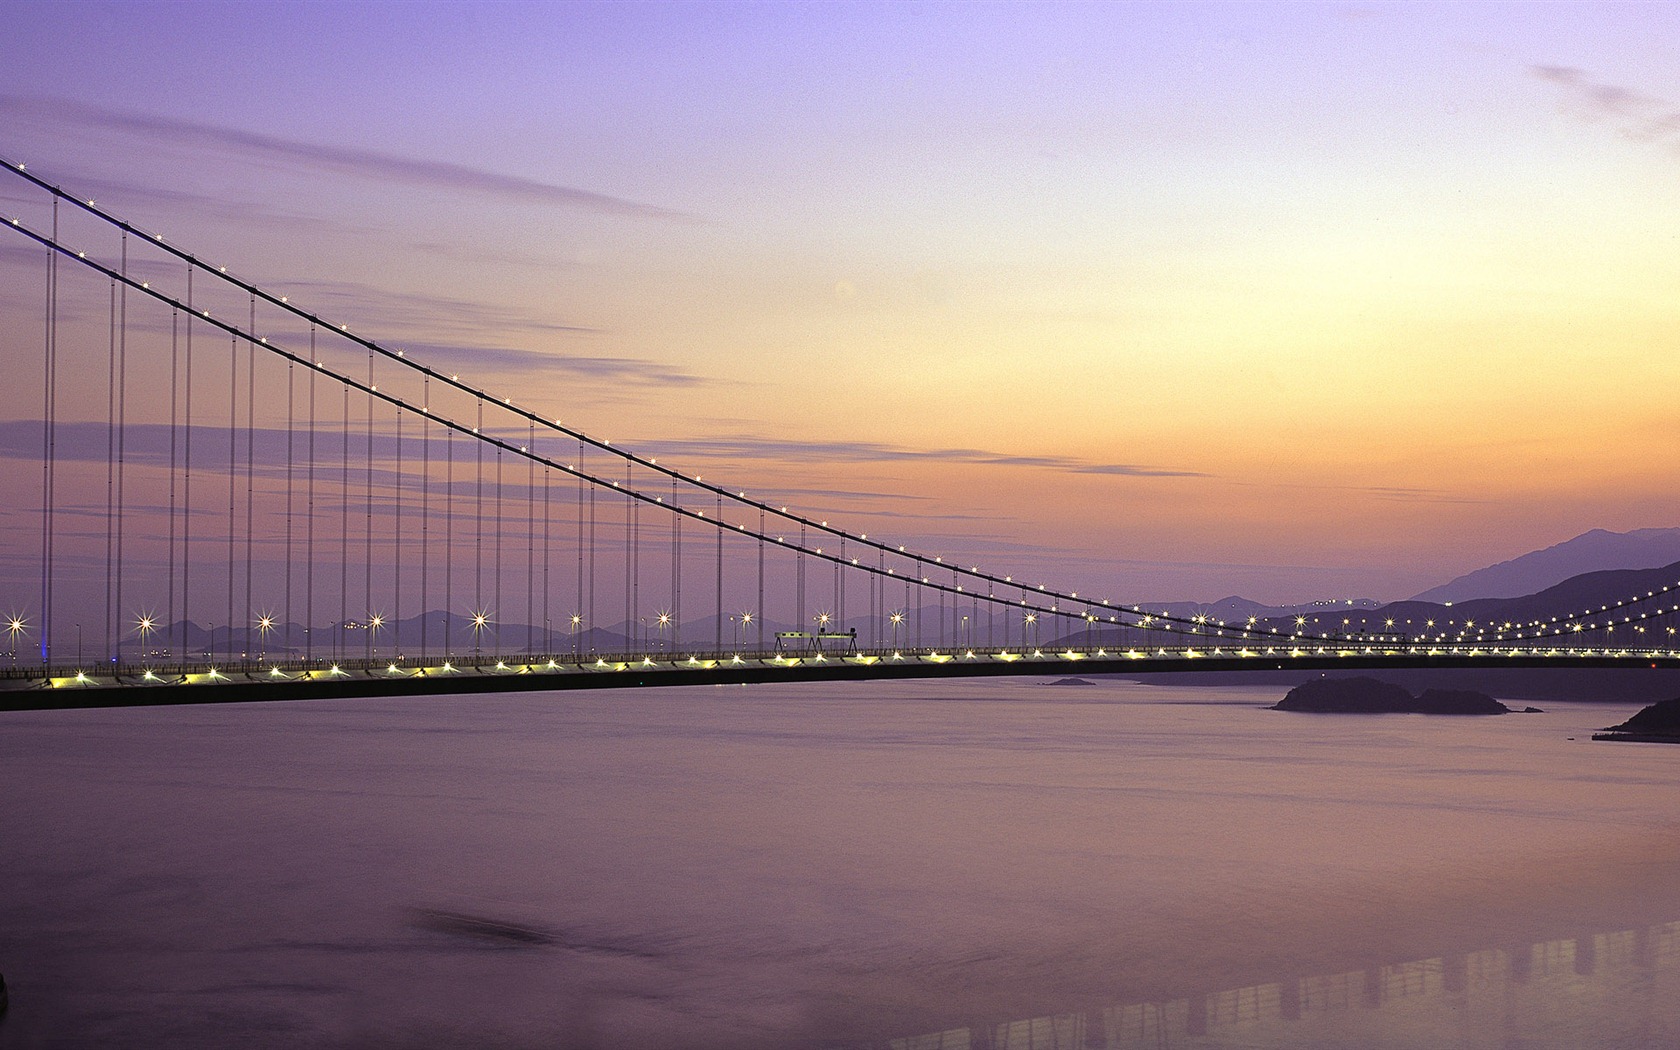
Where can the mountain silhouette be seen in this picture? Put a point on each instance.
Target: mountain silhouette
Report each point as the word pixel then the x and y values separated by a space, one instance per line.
pixel 1537 570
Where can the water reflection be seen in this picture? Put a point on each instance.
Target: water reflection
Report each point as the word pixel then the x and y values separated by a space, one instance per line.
pixel 1604 990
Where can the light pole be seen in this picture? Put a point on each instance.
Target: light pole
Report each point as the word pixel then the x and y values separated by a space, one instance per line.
pixel 145 624
pixel 16 624
pixel 78 645
pixel 747 619
pixel 480 619
pixel 577 621
pixel 896 618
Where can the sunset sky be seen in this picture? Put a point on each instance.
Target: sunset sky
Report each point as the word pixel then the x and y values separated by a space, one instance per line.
pixel 1288 301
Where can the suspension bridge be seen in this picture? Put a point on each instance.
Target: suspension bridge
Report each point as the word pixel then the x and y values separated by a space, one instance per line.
pixel 218 494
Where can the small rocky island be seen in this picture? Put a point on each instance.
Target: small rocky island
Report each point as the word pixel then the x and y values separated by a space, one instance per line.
pixel 1657 724
pixel 1367 696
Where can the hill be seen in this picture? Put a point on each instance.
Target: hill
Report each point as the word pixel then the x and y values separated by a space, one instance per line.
pixel 1535 571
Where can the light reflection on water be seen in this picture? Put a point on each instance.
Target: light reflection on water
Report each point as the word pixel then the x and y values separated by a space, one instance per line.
pixel 1618 989
pixel 1010 864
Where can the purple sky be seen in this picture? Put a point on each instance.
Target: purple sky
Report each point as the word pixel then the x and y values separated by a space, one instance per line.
pixel 1292 301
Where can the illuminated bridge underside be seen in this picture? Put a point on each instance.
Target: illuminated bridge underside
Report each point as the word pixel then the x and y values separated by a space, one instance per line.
pixel 275 681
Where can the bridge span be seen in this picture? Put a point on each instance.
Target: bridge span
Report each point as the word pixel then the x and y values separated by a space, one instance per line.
pixel 34 689
pixel 262 480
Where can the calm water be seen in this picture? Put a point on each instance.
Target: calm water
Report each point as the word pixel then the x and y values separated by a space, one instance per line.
pixel 987 864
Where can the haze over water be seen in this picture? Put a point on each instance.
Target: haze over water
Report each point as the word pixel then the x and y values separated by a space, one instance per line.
pixel 1006 863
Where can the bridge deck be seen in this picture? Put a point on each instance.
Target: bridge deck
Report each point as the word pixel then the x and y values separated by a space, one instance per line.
pixel 25 689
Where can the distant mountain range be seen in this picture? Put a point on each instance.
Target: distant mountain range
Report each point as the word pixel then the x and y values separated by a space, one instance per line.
pixel 1589 552
pixel 1591 570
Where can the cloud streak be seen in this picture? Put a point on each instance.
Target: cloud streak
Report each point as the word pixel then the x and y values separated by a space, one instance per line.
pixel 1635 114
pixel 877 452
pixel 369 164
pixel 527 363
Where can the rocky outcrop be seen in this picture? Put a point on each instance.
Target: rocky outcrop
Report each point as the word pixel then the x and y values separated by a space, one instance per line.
pixel 1659 723
pixel 1367 696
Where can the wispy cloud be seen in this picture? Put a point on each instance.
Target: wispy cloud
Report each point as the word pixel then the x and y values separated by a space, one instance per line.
pixel 1396 493
pixel 1633 113
pixel 530 363
pixel 746 447
pixel 459 178
pixel 371 308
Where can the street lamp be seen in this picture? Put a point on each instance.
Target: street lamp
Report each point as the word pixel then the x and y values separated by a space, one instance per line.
pixel 265 624
pixel 16 624
pixel 375 622
pixel 577 621
pixel 896 619
pixel 480 620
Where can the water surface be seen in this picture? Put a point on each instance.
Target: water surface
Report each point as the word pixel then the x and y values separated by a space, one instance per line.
pixel 953 864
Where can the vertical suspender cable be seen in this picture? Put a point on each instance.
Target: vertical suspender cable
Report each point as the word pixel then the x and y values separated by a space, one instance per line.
pixel 233 474
pixel 396 540
pixel 676 567
pixel 250 609
pixel 111 467
pixel 592 522
pixel 309 521
pixel 579 606
pixel 367 528
pixel 915 615
pixel 174 425
pixel 629 557
pixel 548 559
pixel 530 587
pixel 840 584
pixel 717 525
pixel 496 532
pixel 339 638
pixel 49 437
pixel 448 541
pixel 291 495
pixel 122 430
pixel 425 508
pixel 879 612
pixel 761 579
pixel 478 527
pixel 186 471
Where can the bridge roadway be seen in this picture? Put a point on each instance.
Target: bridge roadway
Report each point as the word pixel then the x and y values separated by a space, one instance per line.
pixel 267 680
